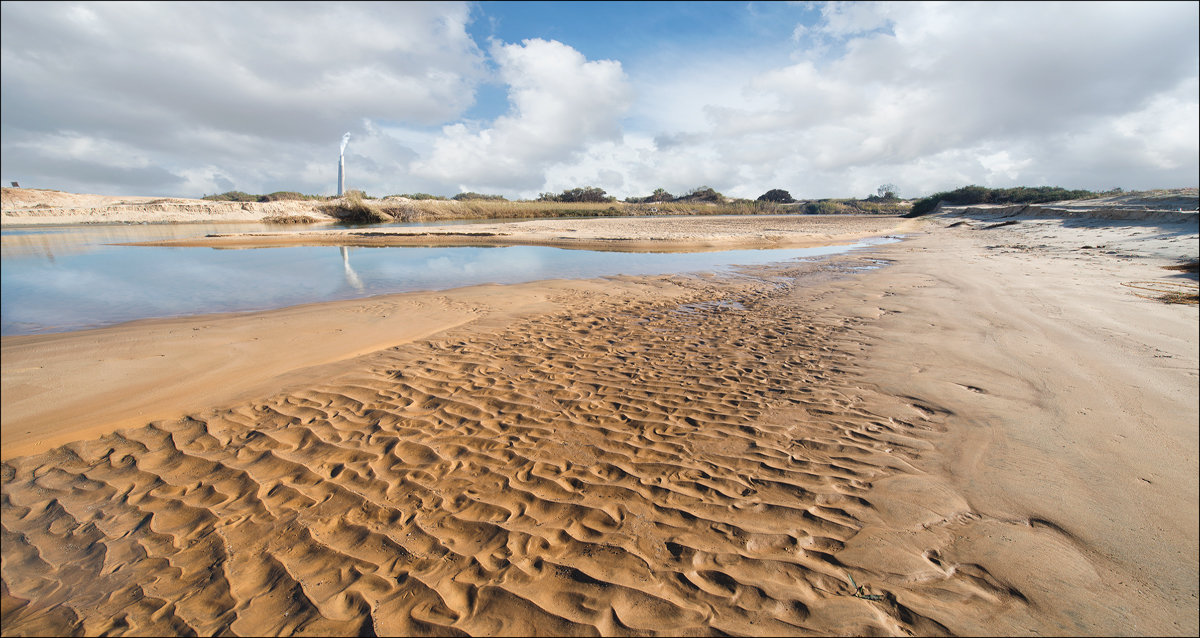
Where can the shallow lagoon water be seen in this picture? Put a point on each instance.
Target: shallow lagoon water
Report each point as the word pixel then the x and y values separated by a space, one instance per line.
pixel 70 278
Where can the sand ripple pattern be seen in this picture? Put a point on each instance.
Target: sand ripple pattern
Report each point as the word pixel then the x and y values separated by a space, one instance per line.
pixel 640 468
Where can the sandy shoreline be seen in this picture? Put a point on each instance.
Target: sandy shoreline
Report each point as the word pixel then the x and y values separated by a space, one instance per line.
pixel 653 234
pixel 991 434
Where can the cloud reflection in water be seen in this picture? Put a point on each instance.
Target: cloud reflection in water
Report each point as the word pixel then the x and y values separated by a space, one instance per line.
pixel 112 284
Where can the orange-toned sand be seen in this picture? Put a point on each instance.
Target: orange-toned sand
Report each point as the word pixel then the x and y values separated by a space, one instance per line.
pixel 990 435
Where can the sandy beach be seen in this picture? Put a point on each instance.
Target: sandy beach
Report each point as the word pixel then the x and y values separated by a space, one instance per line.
pixel 986 428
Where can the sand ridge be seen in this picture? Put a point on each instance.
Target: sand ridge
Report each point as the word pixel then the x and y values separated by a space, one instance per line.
pixel 24 207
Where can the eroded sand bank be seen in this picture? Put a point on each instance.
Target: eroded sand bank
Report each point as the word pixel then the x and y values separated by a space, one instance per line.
pixel 990 434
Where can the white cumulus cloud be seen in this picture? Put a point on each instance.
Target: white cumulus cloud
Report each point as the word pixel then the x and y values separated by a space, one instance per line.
pixel 936 95
pixel 186 98
pixel 560 103
pixel 257 88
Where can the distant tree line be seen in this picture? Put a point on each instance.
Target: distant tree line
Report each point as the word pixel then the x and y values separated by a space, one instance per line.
pixel 239 196
pixel 698 194
pixel 421 196
pixel 462 197
pixel 583 194
pixel 885 200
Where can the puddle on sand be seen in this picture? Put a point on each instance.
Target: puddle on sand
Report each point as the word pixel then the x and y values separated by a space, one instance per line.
pixel 76 281
pixel 692 309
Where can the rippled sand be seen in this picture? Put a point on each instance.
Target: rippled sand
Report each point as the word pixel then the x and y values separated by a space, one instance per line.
pixel 622 469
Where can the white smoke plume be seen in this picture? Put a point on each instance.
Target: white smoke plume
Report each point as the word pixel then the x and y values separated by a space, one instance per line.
pixel 345 141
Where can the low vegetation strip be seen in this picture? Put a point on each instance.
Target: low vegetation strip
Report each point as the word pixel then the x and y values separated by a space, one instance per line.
pixel 39 206
pixel 968 195
pixel 358 207
pixel 278 196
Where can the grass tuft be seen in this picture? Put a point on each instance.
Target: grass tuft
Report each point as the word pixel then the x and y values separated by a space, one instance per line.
pixel 354 209
pixel 1192 266
pixel 290 219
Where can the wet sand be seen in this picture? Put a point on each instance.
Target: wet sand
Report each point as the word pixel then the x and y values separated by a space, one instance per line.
pixel 989 434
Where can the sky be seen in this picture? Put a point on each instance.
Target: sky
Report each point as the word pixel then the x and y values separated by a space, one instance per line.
pixel 516 98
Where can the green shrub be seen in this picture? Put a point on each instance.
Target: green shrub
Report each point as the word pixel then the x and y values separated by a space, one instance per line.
pixel 885 193
pixel 290 219
pixel 777 195
pixel 578 195
pixel 660 195
pixel 232 196
pixel 702 194
pixel 280 196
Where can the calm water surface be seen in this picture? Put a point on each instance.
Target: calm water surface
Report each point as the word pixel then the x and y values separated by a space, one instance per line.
pixel 71 278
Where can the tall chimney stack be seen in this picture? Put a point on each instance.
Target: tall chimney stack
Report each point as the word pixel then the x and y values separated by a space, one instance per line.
pixel 342 165
pixel 341 174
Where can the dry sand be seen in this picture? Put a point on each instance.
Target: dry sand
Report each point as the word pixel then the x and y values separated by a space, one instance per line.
pixel 990 434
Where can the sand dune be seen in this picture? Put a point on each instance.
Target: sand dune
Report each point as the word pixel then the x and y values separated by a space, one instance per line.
pixel 990 436
pixel 39 207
